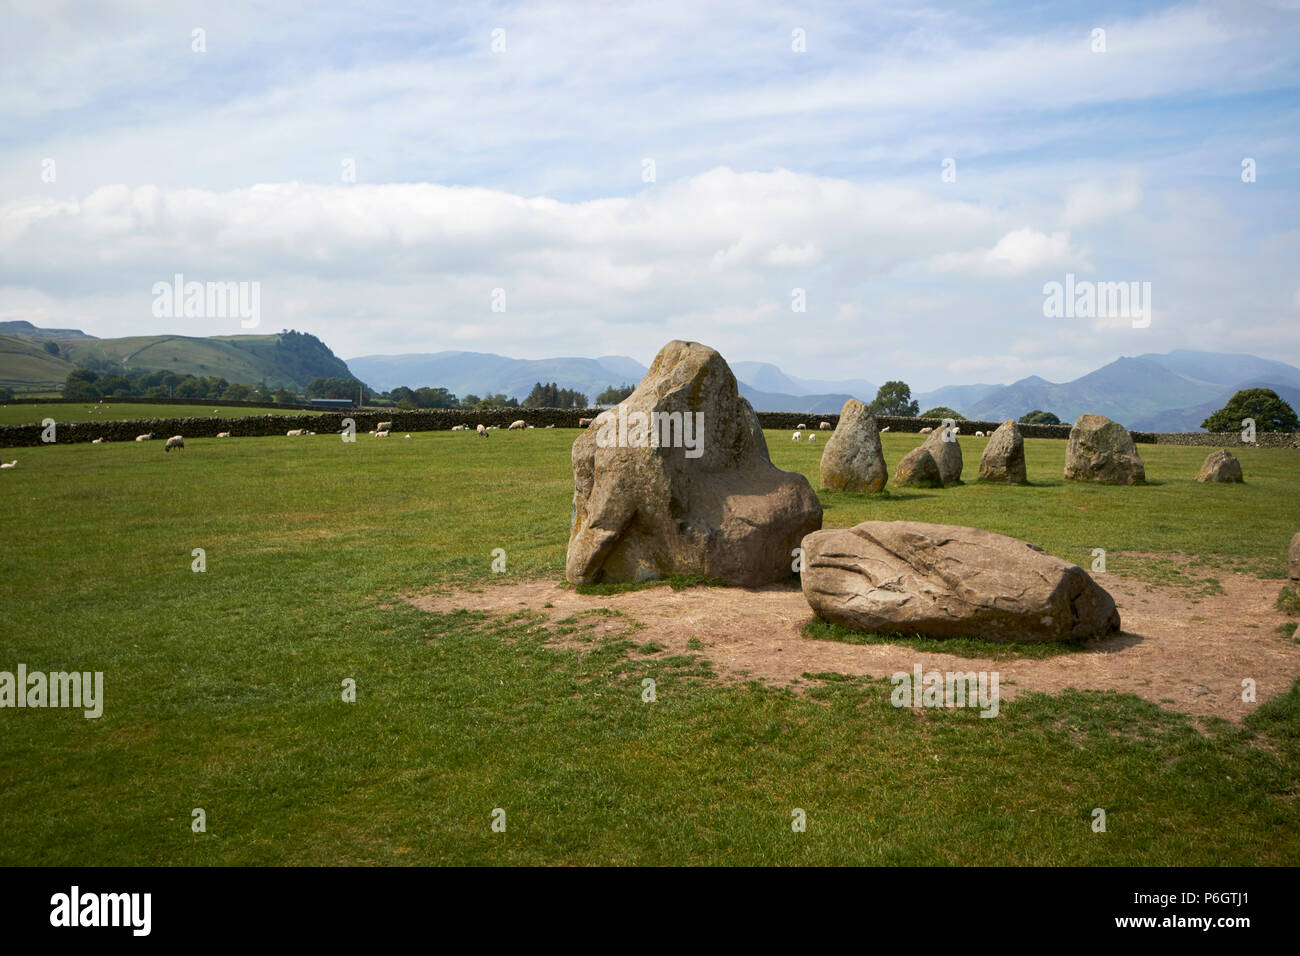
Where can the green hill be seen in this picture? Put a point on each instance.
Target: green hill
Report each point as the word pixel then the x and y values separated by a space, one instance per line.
pixel 26 365
pixel 289 359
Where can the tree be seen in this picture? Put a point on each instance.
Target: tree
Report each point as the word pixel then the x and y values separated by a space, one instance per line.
pixel 80 383
pixel 51 347
pixel 613 395
pixel 1270 412
pixel 943 411
pixel 1037 417
pixel 894 398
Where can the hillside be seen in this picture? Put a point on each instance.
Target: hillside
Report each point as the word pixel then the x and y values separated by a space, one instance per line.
pixel 24 364
pixel 290 359
pixel 483 373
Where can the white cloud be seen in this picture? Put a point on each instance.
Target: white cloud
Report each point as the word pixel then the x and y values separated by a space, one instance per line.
pixel 1017 253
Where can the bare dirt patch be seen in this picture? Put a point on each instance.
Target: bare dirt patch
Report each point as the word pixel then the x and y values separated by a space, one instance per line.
pixel 1184 656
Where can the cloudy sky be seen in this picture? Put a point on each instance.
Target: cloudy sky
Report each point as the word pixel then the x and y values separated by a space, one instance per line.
pixel 632 173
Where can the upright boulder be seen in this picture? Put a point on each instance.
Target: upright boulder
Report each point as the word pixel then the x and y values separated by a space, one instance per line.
pixel 944 448
pixel 854 459
pixel 676 479
pixel 911 577
pixel 1220 466
pixel 1004 456
pixel 919 469
pixel 1103 450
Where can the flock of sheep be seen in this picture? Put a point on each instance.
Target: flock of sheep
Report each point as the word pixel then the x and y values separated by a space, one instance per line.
pixel 381 430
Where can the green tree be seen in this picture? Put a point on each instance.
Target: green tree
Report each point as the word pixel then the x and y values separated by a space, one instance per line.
pixel 894 398
pixel 51 347
pixel 1037 417
pixel 613 395
pixel 1270 412
pixel 80 383
pixel 943 411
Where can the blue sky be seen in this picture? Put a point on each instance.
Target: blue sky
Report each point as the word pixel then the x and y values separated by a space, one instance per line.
pixel 522 169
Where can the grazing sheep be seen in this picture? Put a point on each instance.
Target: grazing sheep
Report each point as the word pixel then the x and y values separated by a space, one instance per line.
pixel 926 431
pixel 801 426
pixel 517 425
pixel 147 437
pixel 825 426
pixel 979 434
pixel 482 432
pixel 548 426
pixel 223 434
pixel 885 429
pixel 295 432
pixel 812 436
pixel 408 436
pixel 311 433
pixel 97 441
pixel 384 427
pixel 455 428
pixel 176 441
pixel 584 422
pixel 381 434
pixel 794 437
pixel 8 464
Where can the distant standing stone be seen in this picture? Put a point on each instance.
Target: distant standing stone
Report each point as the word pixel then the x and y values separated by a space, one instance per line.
pixel 919 469
pixel 946 452
pixel 1004 456
pixel 1220 466
pixel 854 459
pixel 1103 450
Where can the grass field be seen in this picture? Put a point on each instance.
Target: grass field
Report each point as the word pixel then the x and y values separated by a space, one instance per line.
pixel 223 687
pixel 115 412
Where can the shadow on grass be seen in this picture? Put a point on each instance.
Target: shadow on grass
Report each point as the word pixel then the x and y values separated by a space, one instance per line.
pixel 819 630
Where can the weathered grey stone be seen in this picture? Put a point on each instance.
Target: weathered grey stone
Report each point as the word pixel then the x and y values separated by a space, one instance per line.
pixel 853 459
pixel 1220 465
pixel 945 449
pixel 910 577
pixel 1102 450
pixel 643 509
pixel 919 469
pixel 1004 456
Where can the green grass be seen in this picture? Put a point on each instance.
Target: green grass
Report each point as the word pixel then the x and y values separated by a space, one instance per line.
pixel 111 411
pixel 223 688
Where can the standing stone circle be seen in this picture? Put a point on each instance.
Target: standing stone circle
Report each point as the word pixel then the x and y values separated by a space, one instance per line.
pixel 710 503
pixel 1103 450
pixel 1004 456
pixel 854 459
pixel 1220 466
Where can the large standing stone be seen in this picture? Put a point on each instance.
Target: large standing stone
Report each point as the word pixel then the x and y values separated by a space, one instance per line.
pixel 1220 466
pixel 946 452
pixel 1103 450
pixel 1295 557
pixel 713 506
pixel 918 468
pixel 853 459
pixel 948 581
pixel 1004 456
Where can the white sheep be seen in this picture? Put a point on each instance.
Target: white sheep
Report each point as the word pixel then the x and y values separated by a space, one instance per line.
pixel 801 426
pixel 794 437
pixel 517 425
pixel 97 441
pixel 812 436
pixel 408 436
pixel 926 431
pixel 176 441
pixel 295 432
pixel 825 426
pixel 885 429
pixel 8 464
pixel 146 437
pixel 979 434
pixel 223 434
pixel 482 432
pixel 381 434
pixel 384 427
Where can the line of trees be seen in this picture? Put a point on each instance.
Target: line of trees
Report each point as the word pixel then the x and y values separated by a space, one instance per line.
pixel 552 396
pixel 86 383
